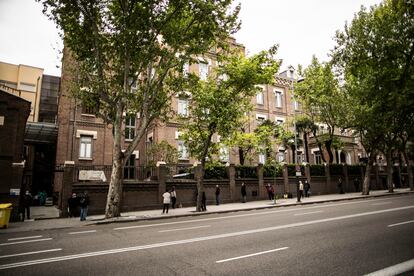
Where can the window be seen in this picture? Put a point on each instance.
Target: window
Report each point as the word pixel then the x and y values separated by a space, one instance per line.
pixel 89 109
pixel 224 154
pixel 186 68
pixel 317 157
pixel 299 155
pixel 182 151
pixel 183 107
pixel 278 98
pixel 262 158
pixel 130 127
pixel 280 156
pixel 260 117
pixel 129 168
pixel 203 70
pixel 295 105
pixel 259 98
pixel 280 120
pixel 85 148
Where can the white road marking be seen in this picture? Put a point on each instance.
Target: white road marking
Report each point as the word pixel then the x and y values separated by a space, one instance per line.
pixel 401 223
pixel 199 239
pixel 30 253
pixel 251 255
pixel 381 203
pixel 395 269
pixel 24 238
pixel 18 242
pixel 82 232
pixel 179 229
pixel 302 214
pixel 244 215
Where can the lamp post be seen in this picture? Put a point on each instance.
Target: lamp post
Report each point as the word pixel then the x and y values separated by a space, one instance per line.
pixel 297 167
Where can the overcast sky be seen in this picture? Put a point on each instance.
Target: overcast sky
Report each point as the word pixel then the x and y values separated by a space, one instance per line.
pixel 302 28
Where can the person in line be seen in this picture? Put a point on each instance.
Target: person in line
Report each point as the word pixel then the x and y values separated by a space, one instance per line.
pixel 300 190
pixel 166 201
pixel 84 203
pixel 27 202
pixel 217 195
pixel 243 192
pixel 72 205
pixel 356 184
pixel 173 197
pixel 203 202
pixel 307 188
pixel 340 186
pixel 270 191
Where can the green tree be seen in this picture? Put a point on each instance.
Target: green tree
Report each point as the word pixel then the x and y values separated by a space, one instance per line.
pixel 219 104
pixel 323 102
pixel 375 56
pixel 305 126
pixel 121 44
pixel 162 151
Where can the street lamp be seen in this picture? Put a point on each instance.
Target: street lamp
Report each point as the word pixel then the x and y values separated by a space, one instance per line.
pixel 297 167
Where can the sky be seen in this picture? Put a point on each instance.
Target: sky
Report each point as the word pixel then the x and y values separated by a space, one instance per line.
pixel 302 28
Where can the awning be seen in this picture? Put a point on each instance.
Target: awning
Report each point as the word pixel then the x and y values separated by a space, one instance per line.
pixel 40 133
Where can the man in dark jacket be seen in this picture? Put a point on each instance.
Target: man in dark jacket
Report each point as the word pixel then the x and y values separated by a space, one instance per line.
pixel 217 195
pixel 72 205
pixel 243 192
pixel 83 203
pixel 27 202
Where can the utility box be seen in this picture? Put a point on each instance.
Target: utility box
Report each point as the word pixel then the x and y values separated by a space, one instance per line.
pixel 5 211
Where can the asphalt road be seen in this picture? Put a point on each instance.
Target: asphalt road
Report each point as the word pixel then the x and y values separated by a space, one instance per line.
pixel 343 238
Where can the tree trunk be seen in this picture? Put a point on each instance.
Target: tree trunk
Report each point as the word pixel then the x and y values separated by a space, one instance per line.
pixel 328 145
pixel 409 170
pixel 389 171
pixel 305 141
pixel 241 156
pixel 200 187
pixel 200 178
pixel 113 202
pixel 367 176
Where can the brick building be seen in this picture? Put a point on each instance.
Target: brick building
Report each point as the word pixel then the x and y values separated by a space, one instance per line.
pixel 87 140
pixel 42 92
pixel 14 112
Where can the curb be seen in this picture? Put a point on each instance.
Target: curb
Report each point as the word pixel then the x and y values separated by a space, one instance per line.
pixel 196 214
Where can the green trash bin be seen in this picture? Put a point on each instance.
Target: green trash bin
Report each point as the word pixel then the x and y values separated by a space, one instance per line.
pixel 5 211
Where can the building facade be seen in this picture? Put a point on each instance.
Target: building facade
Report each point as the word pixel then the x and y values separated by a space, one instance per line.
pixel 86 140
pixel 42 92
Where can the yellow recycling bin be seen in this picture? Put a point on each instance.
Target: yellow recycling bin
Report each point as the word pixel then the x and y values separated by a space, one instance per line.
pixel 5 210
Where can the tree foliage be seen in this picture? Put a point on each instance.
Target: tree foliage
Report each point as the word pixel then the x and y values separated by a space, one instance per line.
pixel 375 56
pixel 162 151
pixel 323 102
pixel 219 104
pixel 118 45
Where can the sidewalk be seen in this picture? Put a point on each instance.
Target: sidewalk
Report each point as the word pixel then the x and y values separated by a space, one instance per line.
pixel 60 223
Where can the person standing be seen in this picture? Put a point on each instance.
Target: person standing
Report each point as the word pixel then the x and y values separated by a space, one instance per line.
pixel 173 197
pixel 84 203
pixel 340 186
pixel 356 184
pixel 243 192
pixel 307 188
pixel 27 202
pixel 270 191
pixel 166 201
pixel 203 202
pixel 300 189
pixel 72 205
pixel 217 195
